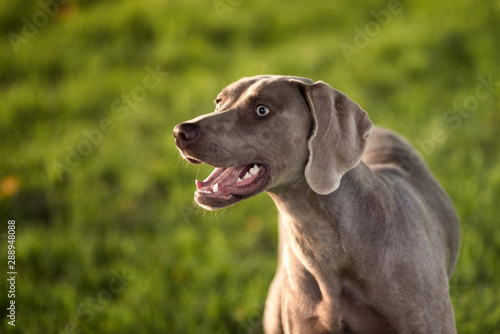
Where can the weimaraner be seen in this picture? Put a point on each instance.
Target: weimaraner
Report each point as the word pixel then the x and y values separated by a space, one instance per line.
pixel 368 239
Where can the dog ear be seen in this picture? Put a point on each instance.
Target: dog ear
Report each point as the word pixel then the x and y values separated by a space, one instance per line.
pixel 338 138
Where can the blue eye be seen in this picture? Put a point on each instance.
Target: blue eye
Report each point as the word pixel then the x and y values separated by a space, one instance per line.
pixel 262 111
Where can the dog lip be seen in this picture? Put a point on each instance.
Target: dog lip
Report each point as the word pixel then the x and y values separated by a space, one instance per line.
pixel 194 161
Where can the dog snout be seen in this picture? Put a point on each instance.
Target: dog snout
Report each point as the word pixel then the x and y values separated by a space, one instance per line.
pixel 185 133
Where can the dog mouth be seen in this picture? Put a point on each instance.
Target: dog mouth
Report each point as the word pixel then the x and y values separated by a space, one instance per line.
pixel 225 186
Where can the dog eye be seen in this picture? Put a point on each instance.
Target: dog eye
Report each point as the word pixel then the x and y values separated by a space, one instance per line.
pixel 262 111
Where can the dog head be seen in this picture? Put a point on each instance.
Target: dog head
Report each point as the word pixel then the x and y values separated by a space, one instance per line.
pixel 273 133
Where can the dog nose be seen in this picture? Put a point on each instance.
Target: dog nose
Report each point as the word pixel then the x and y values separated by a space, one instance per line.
pixel 185 133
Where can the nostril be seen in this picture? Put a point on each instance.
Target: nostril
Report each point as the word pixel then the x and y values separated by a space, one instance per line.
pixel 183 137
pixel 185 132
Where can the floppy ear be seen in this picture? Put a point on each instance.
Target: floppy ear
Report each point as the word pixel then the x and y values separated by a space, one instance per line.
pixel 338 138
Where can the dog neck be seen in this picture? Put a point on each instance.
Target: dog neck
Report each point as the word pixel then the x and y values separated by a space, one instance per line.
pixel 316 229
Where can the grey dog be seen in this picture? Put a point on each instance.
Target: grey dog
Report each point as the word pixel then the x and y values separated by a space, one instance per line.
pixel 368 239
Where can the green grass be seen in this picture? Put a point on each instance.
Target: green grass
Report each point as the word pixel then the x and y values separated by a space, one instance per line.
pixel 114 244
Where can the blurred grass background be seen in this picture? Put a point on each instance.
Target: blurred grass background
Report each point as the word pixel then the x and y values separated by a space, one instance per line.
pixel 108 238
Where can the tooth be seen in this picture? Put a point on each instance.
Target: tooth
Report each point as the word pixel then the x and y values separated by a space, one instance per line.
pixel 216 188
pixel 254 170
pixel 239 180
pixel 247 175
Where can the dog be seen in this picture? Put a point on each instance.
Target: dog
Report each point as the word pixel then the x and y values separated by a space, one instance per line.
pixel 368 239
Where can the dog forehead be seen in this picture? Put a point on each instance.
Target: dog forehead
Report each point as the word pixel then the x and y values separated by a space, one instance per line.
pixel 270 86
pixel 247 84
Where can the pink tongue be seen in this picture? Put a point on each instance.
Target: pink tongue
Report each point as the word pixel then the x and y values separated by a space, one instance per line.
pixel 222 176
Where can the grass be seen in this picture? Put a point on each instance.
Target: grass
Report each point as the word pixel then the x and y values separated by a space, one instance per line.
pixel 108 239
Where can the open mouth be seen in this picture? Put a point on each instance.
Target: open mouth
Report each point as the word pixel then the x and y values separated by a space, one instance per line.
pixel 225 186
